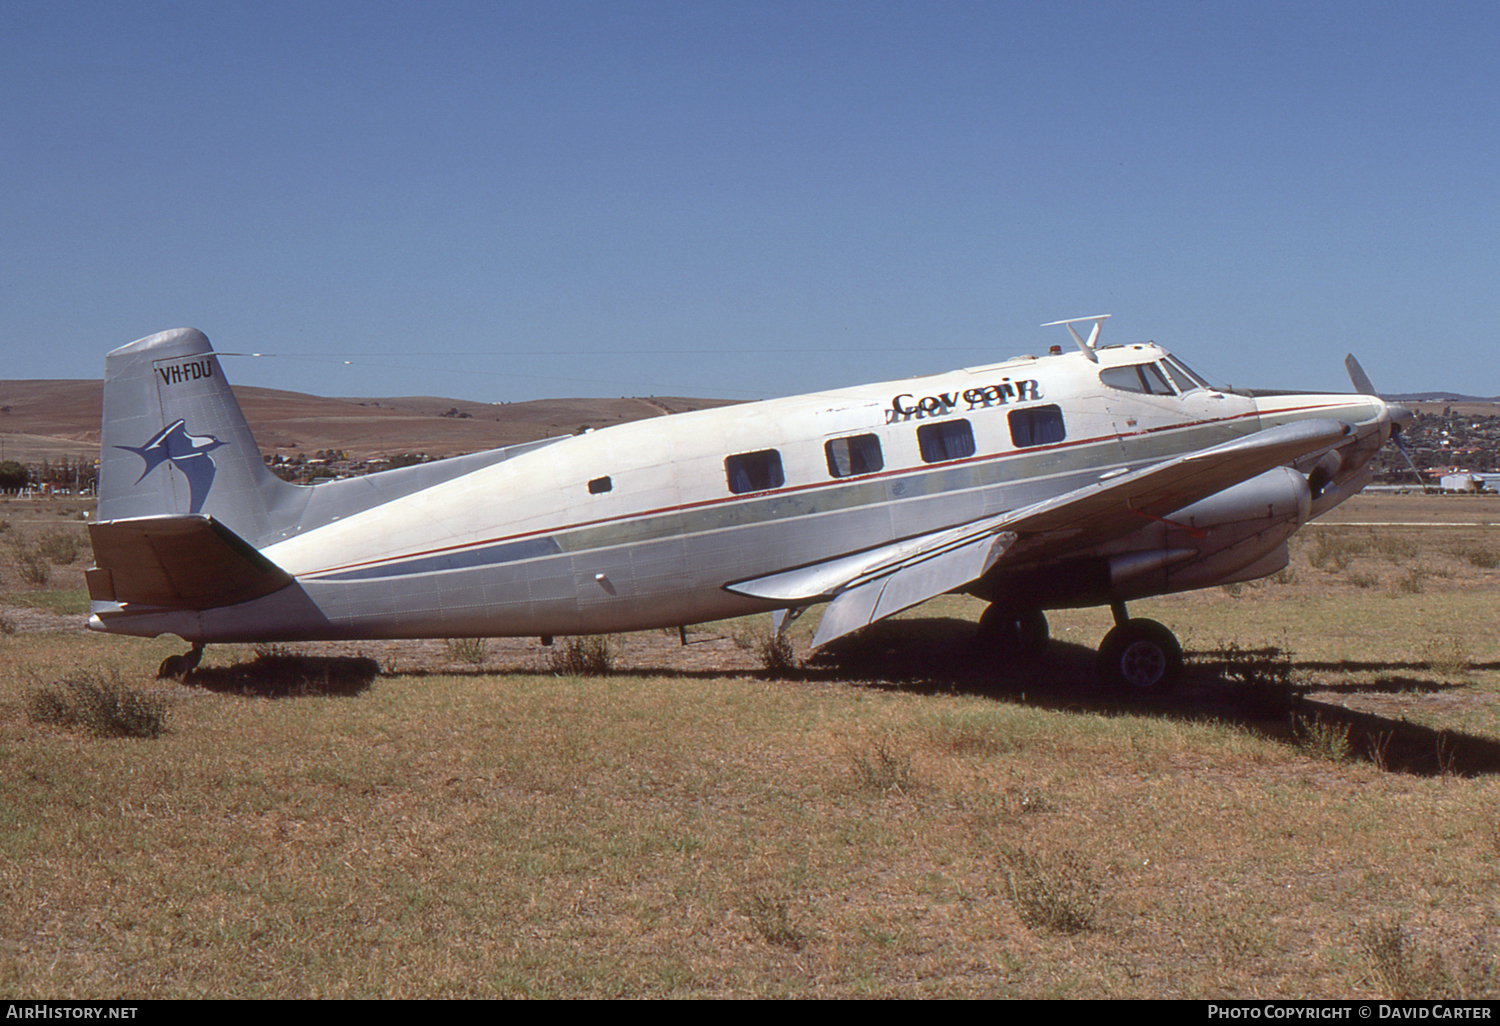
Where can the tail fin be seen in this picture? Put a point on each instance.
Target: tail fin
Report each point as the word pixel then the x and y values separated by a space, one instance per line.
pixel 173 439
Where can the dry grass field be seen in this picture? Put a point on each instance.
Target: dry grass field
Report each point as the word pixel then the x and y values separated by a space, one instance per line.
pixel 1313 814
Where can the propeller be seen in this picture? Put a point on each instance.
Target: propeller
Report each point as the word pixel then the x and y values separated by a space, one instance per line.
pixel 1364 386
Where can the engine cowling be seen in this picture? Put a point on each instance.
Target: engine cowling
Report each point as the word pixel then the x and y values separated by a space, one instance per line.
pixel 1237 534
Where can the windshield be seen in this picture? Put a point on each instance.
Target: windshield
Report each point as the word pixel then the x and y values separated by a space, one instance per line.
pixel 1136 377
pixel 1183 376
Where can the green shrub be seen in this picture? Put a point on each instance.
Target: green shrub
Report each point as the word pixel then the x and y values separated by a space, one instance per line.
pixel 1058 892
pixel 33 567
pixel 1448 656
pixel 586 657
pixel 776 654
pixel 1414 583
pixel 1399 966
pixel 884 766
pixel 1321 739
pixel 468 650
pixel 1333 551
pixel 102 707
pixel 771 914
pixel 61 548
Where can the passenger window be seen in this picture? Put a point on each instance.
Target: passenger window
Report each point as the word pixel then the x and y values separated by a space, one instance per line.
pixel 857 454
pixel 945 440
pixel 1036 425
pixel 600 485
pixel 1140 377
pixel 754 471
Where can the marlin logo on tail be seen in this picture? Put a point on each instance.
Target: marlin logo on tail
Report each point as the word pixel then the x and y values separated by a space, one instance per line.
pixel 188 453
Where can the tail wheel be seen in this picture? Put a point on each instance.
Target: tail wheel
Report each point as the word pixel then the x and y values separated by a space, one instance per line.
pixel 1141 655
pixel 1014 631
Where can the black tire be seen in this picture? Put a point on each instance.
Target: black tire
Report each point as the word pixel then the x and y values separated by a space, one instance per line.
pixel 1140 655
pixel 170 668
pixel 1017 632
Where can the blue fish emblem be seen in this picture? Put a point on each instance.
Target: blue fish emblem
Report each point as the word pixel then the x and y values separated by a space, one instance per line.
pixel 188 453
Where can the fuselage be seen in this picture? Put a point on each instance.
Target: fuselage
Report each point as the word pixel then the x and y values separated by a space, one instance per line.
pixel 644 524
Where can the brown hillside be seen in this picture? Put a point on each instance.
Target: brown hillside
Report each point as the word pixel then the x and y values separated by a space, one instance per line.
pixel 50 419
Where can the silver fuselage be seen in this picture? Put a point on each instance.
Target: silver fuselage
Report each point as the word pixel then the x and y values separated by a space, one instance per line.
pixel 638 526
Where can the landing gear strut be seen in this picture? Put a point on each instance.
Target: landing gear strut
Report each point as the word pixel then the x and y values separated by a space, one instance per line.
pixel 1139 654
pixel 1018 632
pixel 177 667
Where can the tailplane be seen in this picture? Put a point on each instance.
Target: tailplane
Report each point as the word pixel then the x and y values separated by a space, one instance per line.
pixel 174 441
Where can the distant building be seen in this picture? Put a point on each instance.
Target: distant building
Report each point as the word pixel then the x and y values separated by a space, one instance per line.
pixel 1466 481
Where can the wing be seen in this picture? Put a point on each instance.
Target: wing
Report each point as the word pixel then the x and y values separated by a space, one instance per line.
pixel 876 583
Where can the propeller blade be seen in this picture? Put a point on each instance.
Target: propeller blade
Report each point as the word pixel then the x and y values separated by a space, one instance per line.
pixel 1396 440
pixel 1364 386
pixel 1358 377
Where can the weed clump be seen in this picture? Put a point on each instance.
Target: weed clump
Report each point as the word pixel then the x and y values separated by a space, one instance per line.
pixel 882 768
pixel 468 650
pixel 1482 558
pixel 1055 892
pixel 973 735
pixel 1393 547
pixel 1413 583
pixel 583 657
pixel 61 548
pixel 776 655
pixel 1321 739
pixel 1409 976
pixel 1333 551
pixel 1270 666
pixel 104 707
pixel 33 567
pixel 771 915
pixel 1446 656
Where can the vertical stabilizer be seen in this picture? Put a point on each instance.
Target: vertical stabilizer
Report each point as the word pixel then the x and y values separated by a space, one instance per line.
pixel 174 441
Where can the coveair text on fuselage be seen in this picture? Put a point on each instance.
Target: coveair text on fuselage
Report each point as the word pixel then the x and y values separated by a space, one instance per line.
pixel 1089 477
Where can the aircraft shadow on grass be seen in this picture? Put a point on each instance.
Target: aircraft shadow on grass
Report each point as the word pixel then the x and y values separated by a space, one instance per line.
pixel 1250 689
pixel 288 675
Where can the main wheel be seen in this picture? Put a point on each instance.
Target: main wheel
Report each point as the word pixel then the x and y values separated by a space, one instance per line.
pixel 1014 631
pixel 1142 655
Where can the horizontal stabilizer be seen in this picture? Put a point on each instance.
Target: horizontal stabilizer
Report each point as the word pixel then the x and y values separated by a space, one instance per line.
pixel 181 562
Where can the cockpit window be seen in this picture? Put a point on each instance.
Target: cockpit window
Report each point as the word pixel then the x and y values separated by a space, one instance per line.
pixel 1139 377
pixel 1183 376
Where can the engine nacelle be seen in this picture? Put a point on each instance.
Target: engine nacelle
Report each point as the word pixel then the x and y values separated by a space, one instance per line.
pixel 1237 534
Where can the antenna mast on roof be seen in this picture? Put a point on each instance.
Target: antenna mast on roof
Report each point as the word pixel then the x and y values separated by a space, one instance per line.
pixel 1089 346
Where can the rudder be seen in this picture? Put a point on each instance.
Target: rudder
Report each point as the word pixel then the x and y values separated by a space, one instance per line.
pixel 174 440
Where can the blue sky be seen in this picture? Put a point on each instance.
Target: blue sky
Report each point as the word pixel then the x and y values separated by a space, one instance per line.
pixel 518 200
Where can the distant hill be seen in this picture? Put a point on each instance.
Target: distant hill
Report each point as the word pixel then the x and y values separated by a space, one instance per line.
pixel 51 419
